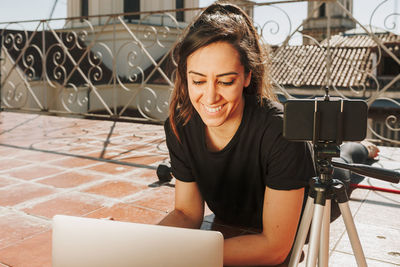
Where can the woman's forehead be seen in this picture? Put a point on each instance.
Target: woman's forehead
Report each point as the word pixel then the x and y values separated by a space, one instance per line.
pixel 220 56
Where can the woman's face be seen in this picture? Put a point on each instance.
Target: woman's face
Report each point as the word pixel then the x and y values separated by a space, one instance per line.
pixel 216 79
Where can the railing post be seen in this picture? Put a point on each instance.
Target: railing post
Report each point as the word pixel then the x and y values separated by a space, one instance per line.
pixel 44 68
pixel 114 70
pixel 1 60
pixel 328 48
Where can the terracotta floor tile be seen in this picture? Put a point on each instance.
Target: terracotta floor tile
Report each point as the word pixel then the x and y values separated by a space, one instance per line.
pixel 145 160
pixel 37 156
pixel 114 154
pixel 74 162
pixel 147 176
pixel 129 213
pixel 32 252
pixel 74 204
pixel 15 227
pixel 22 192
pixel 112 168
pixel 9 164
pixel 141 147
pixel 161 198
pixel 48 146
pixel 70 179
pixel 79 150
pixel 6 181
pixel 23 141
pixel 33 172
pixel 5 151
pixel 116 189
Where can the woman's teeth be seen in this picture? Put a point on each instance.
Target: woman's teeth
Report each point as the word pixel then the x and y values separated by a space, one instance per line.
pixel 213 110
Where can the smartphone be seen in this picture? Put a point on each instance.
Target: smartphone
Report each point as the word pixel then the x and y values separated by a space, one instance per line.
pixel 339 119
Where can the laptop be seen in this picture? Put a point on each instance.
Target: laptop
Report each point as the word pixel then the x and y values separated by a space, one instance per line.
pixel 90 242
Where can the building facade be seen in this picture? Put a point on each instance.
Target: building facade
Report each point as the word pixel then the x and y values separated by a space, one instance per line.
pixel 317 20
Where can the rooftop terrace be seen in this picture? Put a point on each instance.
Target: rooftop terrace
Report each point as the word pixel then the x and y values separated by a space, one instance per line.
pixel 104 169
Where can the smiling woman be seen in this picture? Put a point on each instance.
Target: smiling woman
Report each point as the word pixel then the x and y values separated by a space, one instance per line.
pixel 224 136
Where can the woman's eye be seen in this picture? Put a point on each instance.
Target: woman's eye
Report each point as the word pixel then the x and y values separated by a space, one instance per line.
pixel 197 82
pixel 226 83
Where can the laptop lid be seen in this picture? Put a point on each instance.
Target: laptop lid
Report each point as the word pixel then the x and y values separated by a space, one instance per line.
pixel 90 242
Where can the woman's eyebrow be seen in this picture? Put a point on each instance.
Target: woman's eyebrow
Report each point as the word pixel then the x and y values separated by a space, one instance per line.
pixel 218 75
pixel 197 73
pixel 228 73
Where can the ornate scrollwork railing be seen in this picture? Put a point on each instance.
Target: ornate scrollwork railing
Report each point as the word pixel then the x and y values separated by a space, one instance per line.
pixel 115 67
pixel 107 66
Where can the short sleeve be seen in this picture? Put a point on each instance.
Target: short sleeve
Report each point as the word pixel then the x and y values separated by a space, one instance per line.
pixel 179 167
pixel 289 164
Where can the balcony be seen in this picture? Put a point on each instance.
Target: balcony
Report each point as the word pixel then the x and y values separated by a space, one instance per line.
pixel 71 164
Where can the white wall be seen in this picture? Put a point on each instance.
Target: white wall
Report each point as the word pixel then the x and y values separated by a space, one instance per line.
pixel 101 7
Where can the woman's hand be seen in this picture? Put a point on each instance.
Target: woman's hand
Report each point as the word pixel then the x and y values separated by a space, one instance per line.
pixel 189 207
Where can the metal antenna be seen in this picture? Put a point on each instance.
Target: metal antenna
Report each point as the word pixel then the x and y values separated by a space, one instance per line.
pixel 52 9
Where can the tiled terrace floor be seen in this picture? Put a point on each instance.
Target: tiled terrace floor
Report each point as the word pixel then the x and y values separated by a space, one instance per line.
pixel 102 169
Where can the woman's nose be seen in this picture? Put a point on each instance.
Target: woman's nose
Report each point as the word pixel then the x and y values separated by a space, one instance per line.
pixel 211 94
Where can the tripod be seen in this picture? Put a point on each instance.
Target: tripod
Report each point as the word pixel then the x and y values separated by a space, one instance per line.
pixel 332 124
pixel 324 189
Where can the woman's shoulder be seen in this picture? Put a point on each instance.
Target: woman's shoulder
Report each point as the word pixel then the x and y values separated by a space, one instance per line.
pixel 191 127
pixel 265 109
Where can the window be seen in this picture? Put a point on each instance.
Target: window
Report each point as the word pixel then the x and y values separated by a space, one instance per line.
pixel 180 16
pixel 84 9
pixel 390 67
pixel 131 6
pixel 322 10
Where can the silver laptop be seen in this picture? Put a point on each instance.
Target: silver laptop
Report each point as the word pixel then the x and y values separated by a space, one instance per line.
pixel 103 243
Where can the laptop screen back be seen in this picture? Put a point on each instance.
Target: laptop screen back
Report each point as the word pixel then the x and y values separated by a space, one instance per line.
pixel 96 243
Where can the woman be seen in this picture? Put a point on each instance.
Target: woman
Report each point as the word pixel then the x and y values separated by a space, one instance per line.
pixel 224 136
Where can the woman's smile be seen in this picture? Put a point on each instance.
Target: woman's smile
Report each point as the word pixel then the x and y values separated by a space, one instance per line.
pixel 213 110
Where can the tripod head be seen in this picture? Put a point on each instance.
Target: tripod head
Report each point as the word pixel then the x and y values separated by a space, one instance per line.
pixel 324 154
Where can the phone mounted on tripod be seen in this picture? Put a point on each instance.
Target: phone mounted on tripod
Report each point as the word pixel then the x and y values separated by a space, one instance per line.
pixel 328 119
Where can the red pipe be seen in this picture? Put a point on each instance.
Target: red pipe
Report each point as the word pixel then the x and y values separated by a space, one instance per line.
pixel 375 188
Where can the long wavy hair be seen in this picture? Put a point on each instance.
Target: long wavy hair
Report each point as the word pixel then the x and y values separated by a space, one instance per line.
pixel 225 22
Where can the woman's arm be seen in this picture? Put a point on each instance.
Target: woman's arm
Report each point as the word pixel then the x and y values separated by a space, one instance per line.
pixel 281 215
pixel 189 207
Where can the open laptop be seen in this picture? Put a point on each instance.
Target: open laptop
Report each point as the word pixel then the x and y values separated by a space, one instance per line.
pixel 104 243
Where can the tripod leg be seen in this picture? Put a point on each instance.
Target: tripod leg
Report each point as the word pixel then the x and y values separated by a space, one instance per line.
pixel 352 232
pixel 315 232
pixel 302 232
pixel 343 200
pixel 323 256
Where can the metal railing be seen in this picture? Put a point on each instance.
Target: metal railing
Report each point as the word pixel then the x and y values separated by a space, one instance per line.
pixel 105 66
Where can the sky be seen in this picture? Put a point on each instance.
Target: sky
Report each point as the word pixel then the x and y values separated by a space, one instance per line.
pixel 271 19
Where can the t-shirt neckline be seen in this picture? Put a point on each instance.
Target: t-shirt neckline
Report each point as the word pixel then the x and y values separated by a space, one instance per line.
pixel 235 137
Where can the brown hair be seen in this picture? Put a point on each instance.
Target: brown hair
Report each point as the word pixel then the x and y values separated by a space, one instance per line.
pixel 219 22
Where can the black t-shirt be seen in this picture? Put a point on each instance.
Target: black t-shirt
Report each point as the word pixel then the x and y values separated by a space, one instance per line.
pixel 232 181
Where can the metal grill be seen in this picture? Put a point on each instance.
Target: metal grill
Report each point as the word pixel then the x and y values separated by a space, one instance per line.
pixel 113 68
